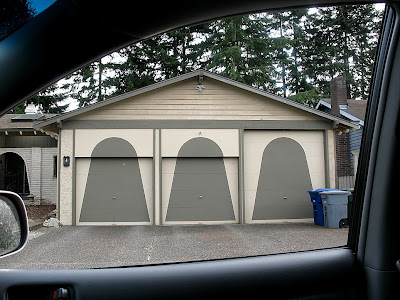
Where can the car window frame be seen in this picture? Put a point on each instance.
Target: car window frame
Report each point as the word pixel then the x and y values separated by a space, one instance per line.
pixel 381 85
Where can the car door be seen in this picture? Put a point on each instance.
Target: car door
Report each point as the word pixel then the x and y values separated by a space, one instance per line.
pixel 373 238
pixel 366 268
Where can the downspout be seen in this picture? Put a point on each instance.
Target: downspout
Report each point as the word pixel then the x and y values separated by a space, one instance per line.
pixel 59 125
pixel 326 156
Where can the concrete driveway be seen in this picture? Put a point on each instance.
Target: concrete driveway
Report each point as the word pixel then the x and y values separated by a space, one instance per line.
pixel 98 246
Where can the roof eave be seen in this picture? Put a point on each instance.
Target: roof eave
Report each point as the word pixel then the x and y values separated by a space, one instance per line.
pixel 200 72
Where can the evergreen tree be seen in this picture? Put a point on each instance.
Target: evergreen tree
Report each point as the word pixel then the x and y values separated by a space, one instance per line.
pixel 281 44
pixel 296 52
pixel 365 45
pixel 297 81
pixel 239 50
pixel 158 58
pixel 86 84
pixel 176 55
pixel 133 69
pixel 48 101
pixel 341 41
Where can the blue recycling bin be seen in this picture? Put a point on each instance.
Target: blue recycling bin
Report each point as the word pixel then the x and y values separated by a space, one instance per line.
pixel 318 206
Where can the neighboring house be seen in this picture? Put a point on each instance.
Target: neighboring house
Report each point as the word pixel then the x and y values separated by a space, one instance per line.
pixel 28 157
pixel 197 148
pixel 348 144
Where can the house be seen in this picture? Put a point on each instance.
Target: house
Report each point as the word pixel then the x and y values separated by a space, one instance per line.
pixel 28 157
pixel 348 144
pixel 197 148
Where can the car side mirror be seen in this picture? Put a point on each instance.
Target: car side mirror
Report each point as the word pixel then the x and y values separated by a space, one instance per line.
pixel 13 223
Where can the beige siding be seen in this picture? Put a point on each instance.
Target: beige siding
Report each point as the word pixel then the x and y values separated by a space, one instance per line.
pixel 66 178
pixel 87 139
pixel 157 177
pixel 332 158
pixel 226 139
pixel 218 101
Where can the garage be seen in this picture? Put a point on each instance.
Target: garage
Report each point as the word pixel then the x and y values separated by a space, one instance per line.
pixel 200 181
pixel 114 188
pixel 173 153
pixel 282 166
pixel 113 185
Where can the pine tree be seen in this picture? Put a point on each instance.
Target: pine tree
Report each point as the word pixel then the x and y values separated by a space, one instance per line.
pixel 365 44
pixel 239 50
pixel 48 101
pixel 341 41
pixel 296 52
pixel 86 84
pixel 133 68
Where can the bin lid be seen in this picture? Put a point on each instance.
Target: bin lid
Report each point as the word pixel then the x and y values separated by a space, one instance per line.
pixel 335 197
pixel 335 192
pixel 322 190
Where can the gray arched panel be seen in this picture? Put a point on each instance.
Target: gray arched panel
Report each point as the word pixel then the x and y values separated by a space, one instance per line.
pixel 114 147
pixel 200 189
pixel 200 147
pixel 114 189
pixel 283 182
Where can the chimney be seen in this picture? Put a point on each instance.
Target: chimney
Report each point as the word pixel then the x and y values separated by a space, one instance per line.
pixel 338 95
pixel 30 109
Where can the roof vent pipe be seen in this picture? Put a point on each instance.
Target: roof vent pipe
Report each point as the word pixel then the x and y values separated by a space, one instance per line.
pixel 30 109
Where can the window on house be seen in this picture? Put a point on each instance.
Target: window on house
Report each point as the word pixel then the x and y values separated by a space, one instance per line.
pixel 55 166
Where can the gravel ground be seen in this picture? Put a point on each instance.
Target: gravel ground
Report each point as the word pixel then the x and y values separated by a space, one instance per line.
pixel 82 247
pixel 39 211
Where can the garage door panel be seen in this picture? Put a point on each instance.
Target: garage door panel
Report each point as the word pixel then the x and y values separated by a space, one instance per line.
pixel 190 199
pixel 279 212
pixel 200 165
pixel 200 186
pixel 200 190
pixel 278 173
pixel 217 183
pixel 282 204
pixel 108 214
pixel 114 192
pixel 287 197
pixel 202 214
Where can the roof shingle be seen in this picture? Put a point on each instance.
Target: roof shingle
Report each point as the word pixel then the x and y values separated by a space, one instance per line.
pixel 6 121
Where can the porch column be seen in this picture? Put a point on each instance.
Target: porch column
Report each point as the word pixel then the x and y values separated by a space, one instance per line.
pixel 36 172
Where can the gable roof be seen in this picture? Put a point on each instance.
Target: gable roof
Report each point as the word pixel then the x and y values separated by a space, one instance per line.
pixel 355 110
pixel 198 73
